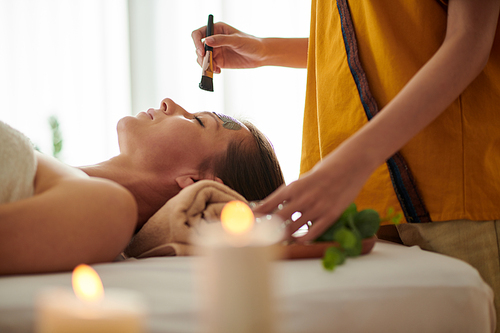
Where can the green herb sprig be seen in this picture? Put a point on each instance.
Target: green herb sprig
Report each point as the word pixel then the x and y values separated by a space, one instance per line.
pixel 349 231
pixel 57 140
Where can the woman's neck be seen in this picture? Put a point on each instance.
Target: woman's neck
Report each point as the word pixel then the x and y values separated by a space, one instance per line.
pixel 149 191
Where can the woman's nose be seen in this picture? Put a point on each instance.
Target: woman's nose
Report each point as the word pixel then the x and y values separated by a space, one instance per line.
pixel 167 105
pixel 171 108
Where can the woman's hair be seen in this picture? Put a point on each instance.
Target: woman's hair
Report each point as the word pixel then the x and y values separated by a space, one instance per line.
pixel 250 168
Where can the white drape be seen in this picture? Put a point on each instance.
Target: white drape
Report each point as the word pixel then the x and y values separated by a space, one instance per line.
pixel 90 62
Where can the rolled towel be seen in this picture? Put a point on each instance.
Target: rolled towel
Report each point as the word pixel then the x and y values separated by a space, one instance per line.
pixel 169 231
pixel 17 165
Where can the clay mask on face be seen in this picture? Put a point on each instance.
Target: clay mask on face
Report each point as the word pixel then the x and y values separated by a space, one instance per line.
pixel 229 122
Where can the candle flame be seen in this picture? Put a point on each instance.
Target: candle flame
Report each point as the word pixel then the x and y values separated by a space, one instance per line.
pixel 237 217
pixel 87 284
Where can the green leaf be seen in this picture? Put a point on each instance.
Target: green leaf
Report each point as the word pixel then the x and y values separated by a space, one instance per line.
pixel 349 241
pixel 367 223
pixel 349 231
pixel 57 141
pixel 390 217
pixel 397 219
pixel 332 258
pixel 347 215
pixel 350 211
pixel 327 236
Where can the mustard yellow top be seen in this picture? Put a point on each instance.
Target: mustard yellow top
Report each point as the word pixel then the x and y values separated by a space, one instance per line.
pixel 455 161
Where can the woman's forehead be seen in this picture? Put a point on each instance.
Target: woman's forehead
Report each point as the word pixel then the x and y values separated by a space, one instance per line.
pixel 229 122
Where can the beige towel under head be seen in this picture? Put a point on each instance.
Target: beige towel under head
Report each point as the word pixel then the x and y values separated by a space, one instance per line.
pixel 170 230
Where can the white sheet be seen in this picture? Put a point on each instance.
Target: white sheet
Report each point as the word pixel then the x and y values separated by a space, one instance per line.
pixel 393 289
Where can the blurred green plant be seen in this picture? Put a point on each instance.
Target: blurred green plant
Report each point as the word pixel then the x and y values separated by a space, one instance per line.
pixel 349 231
pixel 57 140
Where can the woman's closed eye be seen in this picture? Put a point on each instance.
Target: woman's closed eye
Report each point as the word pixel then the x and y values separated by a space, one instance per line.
pixel 198 119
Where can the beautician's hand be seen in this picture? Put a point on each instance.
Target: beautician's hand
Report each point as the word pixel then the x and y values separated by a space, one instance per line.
pixel 321 195
pixel 232 48
pixel 236 49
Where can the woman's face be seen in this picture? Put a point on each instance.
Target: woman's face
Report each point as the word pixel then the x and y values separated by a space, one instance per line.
pixel 170 136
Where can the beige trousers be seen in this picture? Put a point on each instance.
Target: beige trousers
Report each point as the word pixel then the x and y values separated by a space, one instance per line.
pixel 475 242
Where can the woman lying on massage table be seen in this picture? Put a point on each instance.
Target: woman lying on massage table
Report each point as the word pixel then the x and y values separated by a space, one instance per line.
pixel 88 215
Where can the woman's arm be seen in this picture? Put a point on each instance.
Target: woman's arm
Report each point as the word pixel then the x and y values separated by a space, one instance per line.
pixel 236 49
pixel 70 220
pixel 286 52
pixel 462 56
pixel 470 33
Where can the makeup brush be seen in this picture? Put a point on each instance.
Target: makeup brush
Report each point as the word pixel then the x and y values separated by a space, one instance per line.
pixel 207 67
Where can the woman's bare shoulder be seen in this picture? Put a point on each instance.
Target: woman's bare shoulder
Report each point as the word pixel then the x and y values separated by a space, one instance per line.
pixel 51 171
pixel 61 180
pixel 72 218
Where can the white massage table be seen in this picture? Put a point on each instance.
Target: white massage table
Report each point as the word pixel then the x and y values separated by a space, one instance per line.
pixel 392 289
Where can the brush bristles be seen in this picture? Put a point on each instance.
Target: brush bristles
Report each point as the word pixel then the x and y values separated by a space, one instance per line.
pixel 207 83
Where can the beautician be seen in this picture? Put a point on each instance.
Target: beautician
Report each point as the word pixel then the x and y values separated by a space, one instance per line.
pixel 402 110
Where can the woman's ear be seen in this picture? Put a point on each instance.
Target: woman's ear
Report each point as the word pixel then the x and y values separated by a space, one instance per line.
pixel 186 180
pixel 218 180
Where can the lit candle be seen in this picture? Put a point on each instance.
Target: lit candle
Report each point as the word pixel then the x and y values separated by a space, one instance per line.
pixel 236 279
pixel 237 220
pixel 88 308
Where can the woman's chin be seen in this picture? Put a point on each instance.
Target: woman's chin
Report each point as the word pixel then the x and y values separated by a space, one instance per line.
pixel 125 125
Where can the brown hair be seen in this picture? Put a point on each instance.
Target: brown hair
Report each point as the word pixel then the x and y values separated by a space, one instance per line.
pixel 251 169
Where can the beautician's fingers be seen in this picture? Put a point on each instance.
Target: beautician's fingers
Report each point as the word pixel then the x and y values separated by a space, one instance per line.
pixel 197 36
pixel 200 33
pixel 231 41
pixel 323 213
pixel 321 220
pixel 316 230
pixel 274 205
pixel 199 59
pixel 297 224
pixel 309 211
pixel 231 47
pixel 317 200
pixel 282 203
pixel 270 204
pixel 220 28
